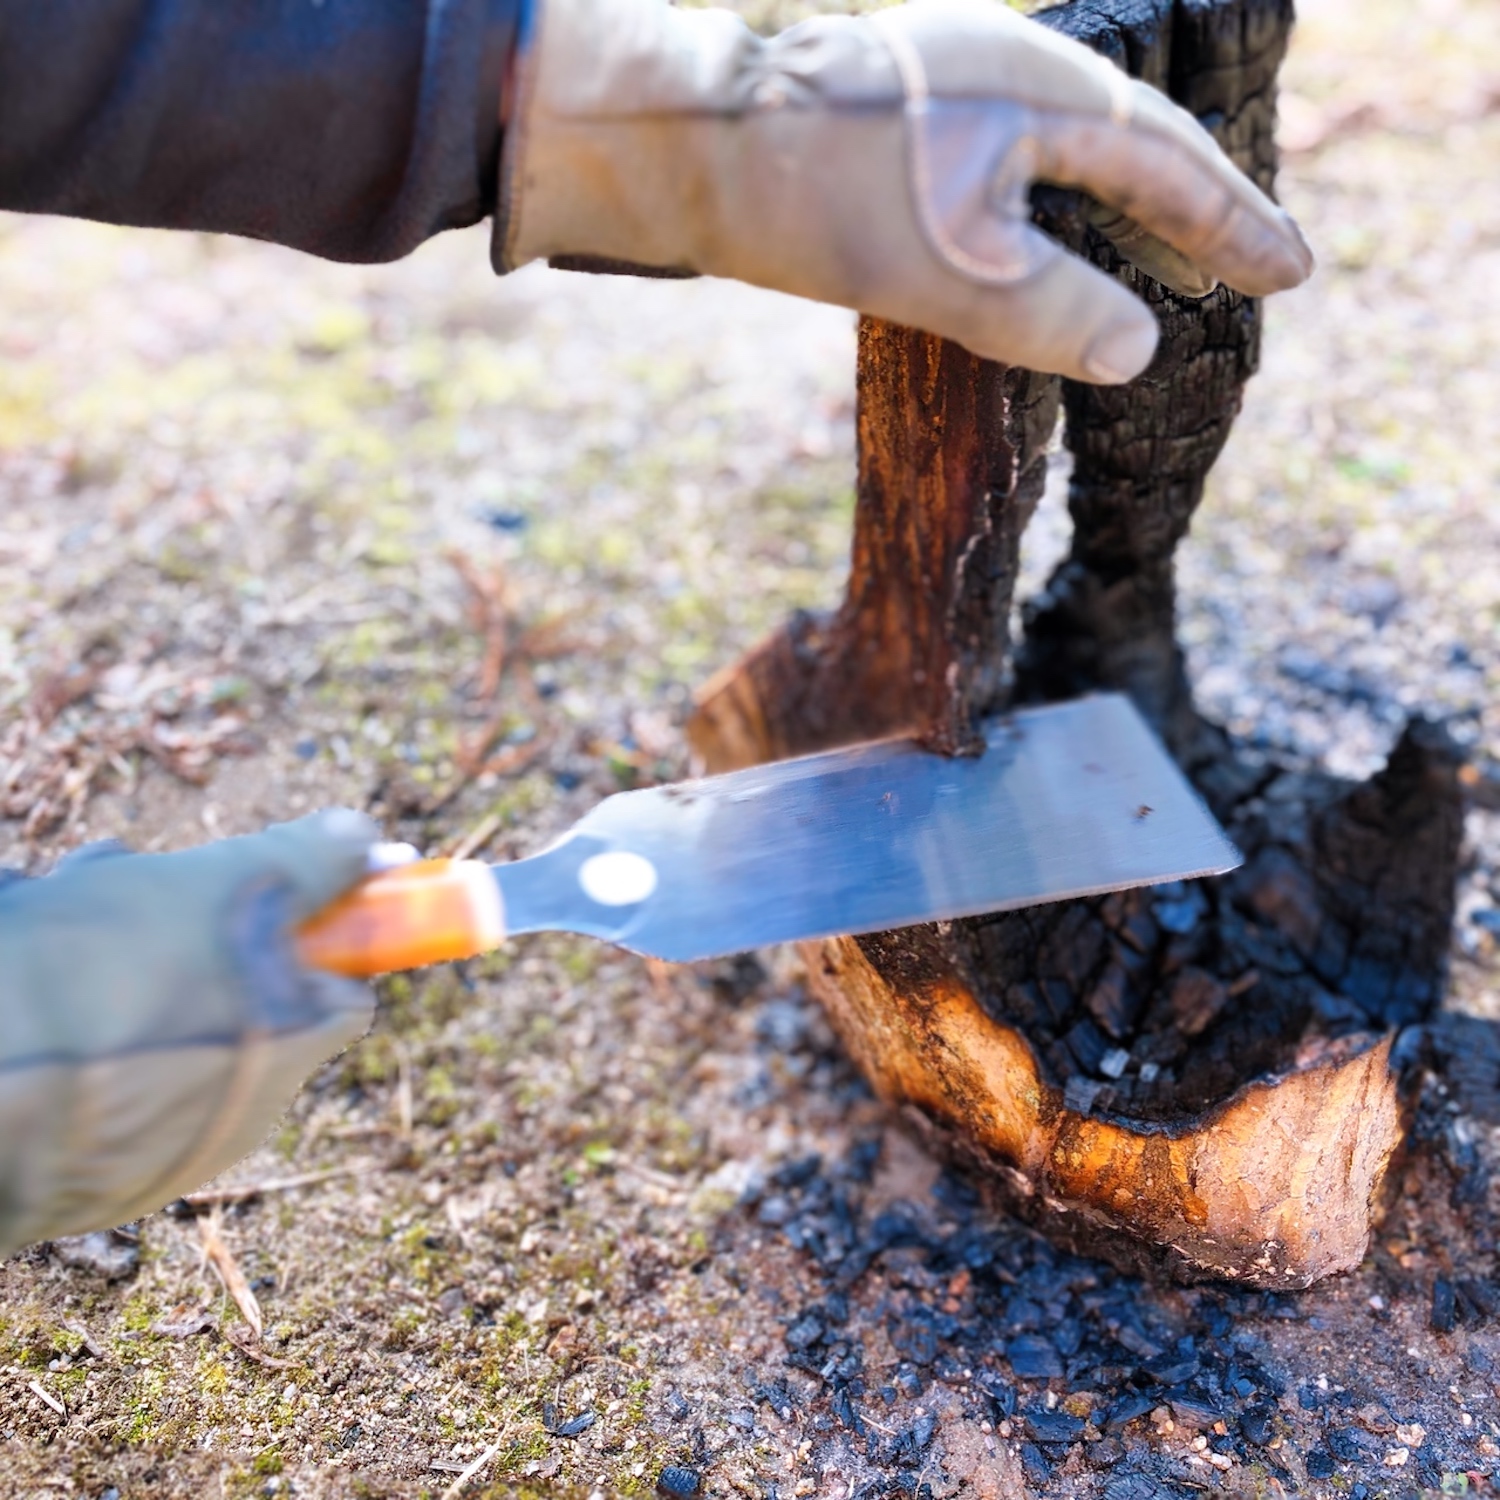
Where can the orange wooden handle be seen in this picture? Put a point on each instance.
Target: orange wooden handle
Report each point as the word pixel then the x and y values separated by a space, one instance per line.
pixel 423 913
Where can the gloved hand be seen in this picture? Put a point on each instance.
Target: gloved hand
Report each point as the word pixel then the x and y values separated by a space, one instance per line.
pixel 154 1023
pixel 882 163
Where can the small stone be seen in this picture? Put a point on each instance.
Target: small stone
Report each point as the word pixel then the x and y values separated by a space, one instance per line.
pixel 1397 1457
pixel 1411 1434
pixel 110 1253
pixel 676 1479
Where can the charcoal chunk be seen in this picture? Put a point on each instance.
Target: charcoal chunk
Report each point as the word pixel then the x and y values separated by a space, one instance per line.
pixel 1444 1311
pixel 1257 1424
pixel 1033 1357
pixel 1054 1426
pixel 677 1480
pixel 1320 1464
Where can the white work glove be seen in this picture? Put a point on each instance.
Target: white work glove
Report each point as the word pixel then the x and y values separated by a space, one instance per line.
pixel 882 163
pixel 154 1021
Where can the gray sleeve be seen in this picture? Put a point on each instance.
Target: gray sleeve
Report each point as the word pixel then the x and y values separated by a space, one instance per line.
pixel 352 129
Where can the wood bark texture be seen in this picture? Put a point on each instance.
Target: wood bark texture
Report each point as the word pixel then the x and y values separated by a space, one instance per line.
pixel 1206 1078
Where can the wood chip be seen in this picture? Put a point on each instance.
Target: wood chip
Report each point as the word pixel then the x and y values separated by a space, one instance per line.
pixel 228 1269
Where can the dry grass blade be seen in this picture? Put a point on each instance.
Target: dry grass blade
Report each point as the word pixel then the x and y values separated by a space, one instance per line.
pixel 243 1192
pixel 455 1489
pixel 477 837
pixel 228 1269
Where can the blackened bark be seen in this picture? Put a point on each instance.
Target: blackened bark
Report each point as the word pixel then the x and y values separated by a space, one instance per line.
pixel 1196 1077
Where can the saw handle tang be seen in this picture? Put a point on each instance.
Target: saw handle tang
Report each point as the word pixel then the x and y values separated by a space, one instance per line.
pixel 428 912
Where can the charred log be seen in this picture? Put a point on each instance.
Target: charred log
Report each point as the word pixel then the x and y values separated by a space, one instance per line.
pixel 1197 1077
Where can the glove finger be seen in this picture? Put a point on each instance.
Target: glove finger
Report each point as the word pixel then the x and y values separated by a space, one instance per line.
pixel 1147 253
pixel 1163 170
pixel 321 855
pixel 1067 317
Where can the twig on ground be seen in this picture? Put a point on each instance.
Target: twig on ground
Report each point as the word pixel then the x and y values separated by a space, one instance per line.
pixel 243 1192
pixel 477 837
pixel 228 1269
pixel 38 1389
pixel 252 1351
pixel 455 1489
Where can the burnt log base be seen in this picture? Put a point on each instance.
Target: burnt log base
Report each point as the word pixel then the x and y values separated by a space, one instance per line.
pixel 1202 1079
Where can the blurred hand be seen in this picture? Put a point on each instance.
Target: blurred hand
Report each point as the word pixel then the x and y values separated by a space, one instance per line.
pixel 882 163
pixel 154 1023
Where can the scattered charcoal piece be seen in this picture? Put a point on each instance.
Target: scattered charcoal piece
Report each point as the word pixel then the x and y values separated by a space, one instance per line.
pixel 799 1173
pixel 1257 1424
pixel 1136 1340
pixel 1114 1062
pixel 1067 1337
pixel 1000 1391
pixel 1080 1094
pixel 844 1409
pixel 571 1428
pixel 1105 1453
pixel 1196 998
pixel 889 1395
pixel 1193 1408
pixel 914 1337
pixel 923 1430
pixel 808 1330
pixel 675 1479
pixel 1140 932
pixel 908 1380
pixel 1346 1444
pixel 1033 1357
pixel 1034 1464
pixel 1172 1369
pixel 1444 1312
pixel 1113 1001
pixel 1480 1301
pixel 1087 1044
pixel 1309 1397
pixel 1053 1426
pixel 1320 1464
pixel 1129 1407
pixel 744 1420
pixel 1022 1315
pixel 1179 908
pixel 676 1405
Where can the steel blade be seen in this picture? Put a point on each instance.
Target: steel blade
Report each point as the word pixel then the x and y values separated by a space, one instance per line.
pixel 1068 800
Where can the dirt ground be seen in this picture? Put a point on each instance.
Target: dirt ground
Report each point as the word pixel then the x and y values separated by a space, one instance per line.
pixel 276 534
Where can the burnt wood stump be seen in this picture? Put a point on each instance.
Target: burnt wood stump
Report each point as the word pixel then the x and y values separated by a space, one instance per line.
pixel 1205 1078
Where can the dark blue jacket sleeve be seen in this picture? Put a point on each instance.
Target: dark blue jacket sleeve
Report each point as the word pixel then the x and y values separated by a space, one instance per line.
pixel 353 129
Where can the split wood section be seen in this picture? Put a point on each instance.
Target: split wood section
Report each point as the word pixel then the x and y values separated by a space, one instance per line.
pixel 1200 1080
